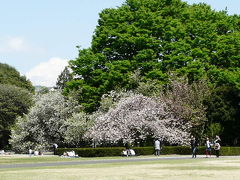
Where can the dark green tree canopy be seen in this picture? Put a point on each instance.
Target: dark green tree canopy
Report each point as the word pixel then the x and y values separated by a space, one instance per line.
pixel 63 78
pixel 156 37
pixel 15 99
pixel 9 75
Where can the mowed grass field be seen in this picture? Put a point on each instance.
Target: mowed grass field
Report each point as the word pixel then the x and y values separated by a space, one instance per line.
pixel 227 168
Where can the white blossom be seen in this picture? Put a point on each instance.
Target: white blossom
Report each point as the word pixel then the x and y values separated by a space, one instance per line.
pixel 136 117
pixel 44 124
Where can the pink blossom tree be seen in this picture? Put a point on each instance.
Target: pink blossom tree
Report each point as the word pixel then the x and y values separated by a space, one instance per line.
pixel 187 102
pixel 170 114
pixel 136 117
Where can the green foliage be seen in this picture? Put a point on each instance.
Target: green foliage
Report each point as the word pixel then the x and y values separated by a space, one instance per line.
pixel 230 151
pixel 95 80
pixel 187 102
pixel 154 37
pixel 93 152
pixel 138 45
pixel 9 75
pixel 63 78
pixel 166 150
pixel 77 125
pixel 223 109
pixel 214 129
pixel 14 101
pixel 144 150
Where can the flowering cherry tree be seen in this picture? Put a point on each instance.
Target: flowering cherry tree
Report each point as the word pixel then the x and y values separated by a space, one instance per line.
pixel 76 127
pixel 44 124
pixel 187 102
pixel 136 117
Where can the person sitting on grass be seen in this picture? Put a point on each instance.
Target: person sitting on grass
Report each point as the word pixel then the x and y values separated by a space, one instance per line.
pixel 128 152
pixel 69 154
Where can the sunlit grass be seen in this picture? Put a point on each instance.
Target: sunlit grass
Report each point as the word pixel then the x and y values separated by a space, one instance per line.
pixel 200 168
pixel 21 159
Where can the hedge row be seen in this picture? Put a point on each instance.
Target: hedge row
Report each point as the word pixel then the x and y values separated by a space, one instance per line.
pixel 166 150
pixel 92 152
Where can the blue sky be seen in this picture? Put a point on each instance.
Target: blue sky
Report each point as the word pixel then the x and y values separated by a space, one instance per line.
pixel 39 37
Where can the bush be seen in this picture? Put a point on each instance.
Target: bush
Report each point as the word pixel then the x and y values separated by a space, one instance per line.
pixel 230 151
pixel 144 150
pixel 166 150
pixel 93 152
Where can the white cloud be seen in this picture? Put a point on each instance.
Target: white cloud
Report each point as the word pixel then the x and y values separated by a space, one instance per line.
pixel 14 44
pixel 46 73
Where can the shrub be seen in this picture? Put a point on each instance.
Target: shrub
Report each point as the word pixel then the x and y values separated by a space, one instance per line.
pixel 93 152
pixel 166 150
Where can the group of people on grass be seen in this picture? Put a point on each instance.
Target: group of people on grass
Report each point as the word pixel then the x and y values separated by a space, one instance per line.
pixel 157 145
pixel 35 153
pixel 128 151
pixel 69 154
pixel 194 146
pixel 209 146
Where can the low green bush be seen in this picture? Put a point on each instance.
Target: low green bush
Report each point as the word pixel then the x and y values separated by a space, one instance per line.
pixel 230 151
pixel 166 150
pixel 93 152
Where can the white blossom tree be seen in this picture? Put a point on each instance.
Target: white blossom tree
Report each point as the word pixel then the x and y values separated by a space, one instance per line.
pixel 76 127
pixel 44 124
pixel 136 117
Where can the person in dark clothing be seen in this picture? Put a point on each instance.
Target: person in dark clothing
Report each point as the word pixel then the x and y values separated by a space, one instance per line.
pixel 194 146
pixel 192 143
pixel 55 146
pixel 127 146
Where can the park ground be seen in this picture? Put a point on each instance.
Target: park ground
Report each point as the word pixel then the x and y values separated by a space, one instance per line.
pixel 14 167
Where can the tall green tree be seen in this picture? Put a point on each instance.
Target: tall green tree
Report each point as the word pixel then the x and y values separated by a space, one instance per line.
pixel 9 75
pixel 15 99
pixel 63 78
pixel 223 109
pixel 154 37
pixel 158 38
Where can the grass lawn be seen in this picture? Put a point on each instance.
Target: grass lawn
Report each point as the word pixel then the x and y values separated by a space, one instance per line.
pixel 200 168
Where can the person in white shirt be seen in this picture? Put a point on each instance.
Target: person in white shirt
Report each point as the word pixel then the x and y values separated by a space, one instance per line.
pixel 217 149
pixel 208 148
pixel 157 147
pixel 30 152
